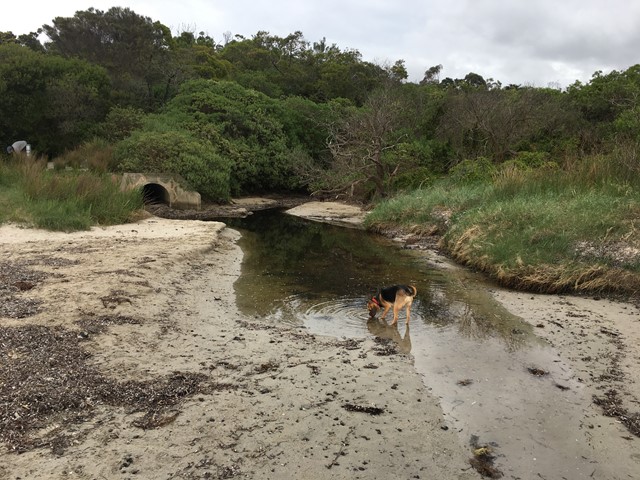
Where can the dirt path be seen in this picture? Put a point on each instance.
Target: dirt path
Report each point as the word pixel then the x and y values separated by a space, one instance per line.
pixel 122 355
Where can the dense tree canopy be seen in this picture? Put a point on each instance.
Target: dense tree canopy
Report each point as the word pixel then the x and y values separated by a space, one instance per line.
pixel 132 48
pixel 281 113
pixel 51 101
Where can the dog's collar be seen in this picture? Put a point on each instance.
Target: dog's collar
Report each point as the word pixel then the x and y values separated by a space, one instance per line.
pixel 375 300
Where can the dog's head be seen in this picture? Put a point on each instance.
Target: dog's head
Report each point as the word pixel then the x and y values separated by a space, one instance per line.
pixel 373 306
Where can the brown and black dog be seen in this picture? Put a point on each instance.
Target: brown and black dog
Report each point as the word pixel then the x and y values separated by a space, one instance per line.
pixel 396 296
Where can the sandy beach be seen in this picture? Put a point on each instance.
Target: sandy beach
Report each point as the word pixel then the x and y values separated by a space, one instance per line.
pixel 195 389
pixel 123 355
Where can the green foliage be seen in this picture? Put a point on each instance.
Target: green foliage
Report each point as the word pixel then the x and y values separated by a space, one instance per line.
pixel 425 205
pixel 245 127
pixel 530 160
pixel 494 123
pixel 51 102
pixel 134 50
pixel 66 201
pixel 120 122
pixel 541 229
pixel 305 122
pixel 475 170
pixel 95 155
pixel 532 229
pixel 414 179
pixel 291 66
pixel 177 152
pixel 606 96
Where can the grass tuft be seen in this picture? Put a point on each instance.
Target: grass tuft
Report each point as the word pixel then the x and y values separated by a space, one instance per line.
pixel 67 200
pixel 548 230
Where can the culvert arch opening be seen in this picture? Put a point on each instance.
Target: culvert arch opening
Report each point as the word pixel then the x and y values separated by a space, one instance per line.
pixel 154 194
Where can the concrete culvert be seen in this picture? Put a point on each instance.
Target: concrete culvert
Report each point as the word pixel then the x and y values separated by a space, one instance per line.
pixel 154 194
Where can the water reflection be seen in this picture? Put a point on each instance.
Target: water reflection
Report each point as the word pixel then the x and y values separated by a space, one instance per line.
pixel 471 353
pixel 380 329
pixel 295 270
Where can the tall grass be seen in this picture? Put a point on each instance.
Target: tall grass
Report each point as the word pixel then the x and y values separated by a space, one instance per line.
pixel 430 205
pixel 95 155
pixel 66 201
pixel 548 229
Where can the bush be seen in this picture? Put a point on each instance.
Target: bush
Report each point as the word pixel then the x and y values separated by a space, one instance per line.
pixel 177 152
pixel 95 155
pixel 244 126
pixel 121 122
pixel 69 200
pixel 417 178
pixel 476 170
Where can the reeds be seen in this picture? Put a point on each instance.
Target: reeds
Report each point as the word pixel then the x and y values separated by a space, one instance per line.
pixel 65 200
pixel 549 229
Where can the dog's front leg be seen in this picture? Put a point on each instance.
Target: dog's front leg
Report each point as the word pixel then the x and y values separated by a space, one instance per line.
pixel 386 310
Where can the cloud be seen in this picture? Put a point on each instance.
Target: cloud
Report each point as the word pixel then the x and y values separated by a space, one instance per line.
pixel 525 42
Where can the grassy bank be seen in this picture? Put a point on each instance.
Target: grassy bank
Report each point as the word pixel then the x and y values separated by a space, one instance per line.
pixel 62 200
pixel 570 229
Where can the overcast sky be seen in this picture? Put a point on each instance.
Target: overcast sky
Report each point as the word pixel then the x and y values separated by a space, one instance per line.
pixel 533 42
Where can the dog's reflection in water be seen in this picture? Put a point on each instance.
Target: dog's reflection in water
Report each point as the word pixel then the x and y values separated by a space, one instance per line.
pixel 382 330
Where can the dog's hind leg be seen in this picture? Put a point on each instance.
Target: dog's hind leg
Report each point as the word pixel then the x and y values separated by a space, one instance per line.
pixel 396 309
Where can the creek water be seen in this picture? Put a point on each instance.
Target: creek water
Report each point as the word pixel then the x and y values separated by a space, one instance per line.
pixel 472 354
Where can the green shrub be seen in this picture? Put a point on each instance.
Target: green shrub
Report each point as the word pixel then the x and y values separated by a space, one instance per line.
pixel 121 122
pixel 65 200
pixel 480 169
pixel 414 179
pixel 95 155
pixel 177 152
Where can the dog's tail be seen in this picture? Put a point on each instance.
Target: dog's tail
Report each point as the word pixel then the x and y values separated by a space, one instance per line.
pixel 411 290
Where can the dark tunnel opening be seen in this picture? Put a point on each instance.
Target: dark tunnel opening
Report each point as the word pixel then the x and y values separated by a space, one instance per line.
pixel 154 194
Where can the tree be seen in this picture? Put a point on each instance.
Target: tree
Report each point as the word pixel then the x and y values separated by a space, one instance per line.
pixel 606 96
pixel 52 102
pixel 432 75
pixel 361 143
pixel 134 49
pixel 491 123
pixel 398 71
pixel 285 66
pixel 26 40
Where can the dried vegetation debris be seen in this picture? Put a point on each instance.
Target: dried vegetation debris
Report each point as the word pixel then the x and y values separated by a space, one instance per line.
pixel 349 344
pixel 483 459
pixel 15 278
pixel 352 407
pixel 96 324
pixel 385 347
pixel 612 406
pixel 46 378
pixel 616 253
pixel 611 402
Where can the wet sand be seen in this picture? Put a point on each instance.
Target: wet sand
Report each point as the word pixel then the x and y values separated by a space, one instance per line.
pixel 270 402
pixel 273 402
pixel 599 342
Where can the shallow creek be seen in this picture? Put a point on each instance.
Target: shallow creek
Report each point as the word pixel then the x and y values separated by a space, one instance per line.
pixel 498 383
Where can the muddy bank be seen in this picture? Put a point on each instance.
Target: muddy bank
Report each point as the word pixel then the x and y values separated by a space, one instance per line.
pixel 237 208
pixel 131 360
